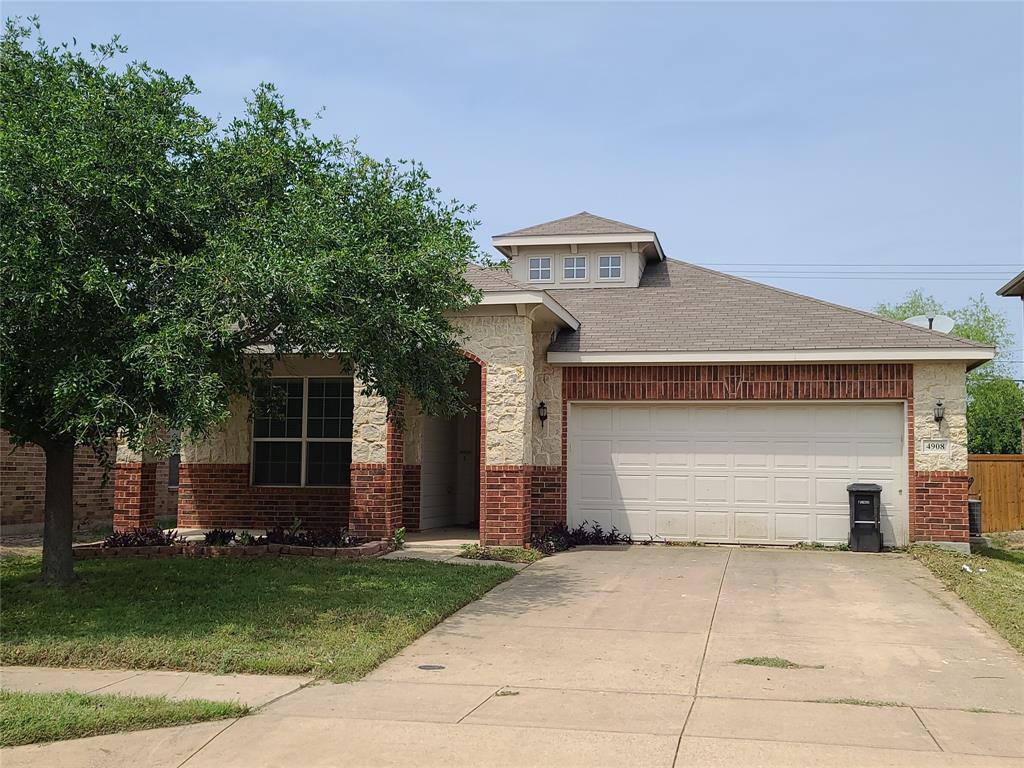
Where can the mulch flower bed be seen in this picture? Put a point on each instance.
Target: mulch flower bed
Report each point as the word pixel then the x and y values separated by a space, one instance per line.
pixel 198 549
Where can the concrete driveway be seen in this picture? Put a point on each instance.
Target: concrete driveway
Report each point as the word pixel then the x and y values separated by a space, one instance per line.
pixel 627 657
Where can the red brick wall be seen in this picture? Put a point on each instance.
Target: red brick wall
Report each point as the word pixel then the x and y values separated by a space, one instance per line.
pixel 134 495
pixel 220 496
pixel 505 505
pixel 547 497
pixel 937 512
pixel 23 486
pixel 369 516
pixel 940 506
pixel 411 497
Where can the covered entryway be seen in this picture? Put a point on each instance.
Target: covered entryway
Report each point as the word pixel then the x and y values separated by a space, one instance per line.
pixel 450 472
pixel 758 473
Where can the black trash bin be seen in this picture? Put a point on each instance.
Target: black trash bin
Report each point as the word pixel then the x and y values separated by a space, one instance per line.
pixel 865 517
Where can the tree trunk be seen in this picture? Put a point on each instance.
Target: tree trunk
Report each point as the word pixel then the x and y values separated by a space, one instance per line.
pixel 58 528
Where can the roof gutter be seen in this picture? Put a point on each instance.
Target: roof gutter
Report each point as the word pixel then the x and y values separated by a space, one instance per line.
pixel 507 244
pixel 973 356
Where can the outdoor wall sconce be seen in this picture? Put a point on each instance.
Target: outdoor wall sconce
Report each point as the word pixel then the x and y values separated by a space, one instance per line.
pixel 542 412
pixel 939 412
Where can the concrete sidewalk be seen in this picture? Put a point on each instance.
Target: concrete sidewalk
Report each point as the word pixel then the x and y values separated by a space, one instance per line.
pixel 627 657
pixel 251 690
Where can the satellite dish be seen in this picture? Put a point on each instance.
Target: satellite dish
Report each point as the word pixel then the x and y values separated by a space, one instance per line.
pixel 940 323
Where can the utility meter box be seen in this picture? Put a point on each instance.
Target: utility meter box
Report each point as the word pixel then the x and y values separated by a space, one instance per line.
pixel 865 517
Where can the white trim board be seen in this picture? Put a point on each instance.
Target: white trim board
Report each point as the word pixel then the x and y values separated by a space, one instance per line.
pixel 973 355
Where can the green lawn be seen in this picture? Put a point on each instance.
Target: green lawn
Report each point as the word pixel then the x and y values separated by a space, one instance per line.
pixel 289 615
pixel 997 595
pixel 29 718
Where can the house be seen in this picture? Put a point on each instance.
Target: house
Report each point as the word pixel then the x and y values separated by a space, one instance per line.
pixel 615 385
pixel 1015 287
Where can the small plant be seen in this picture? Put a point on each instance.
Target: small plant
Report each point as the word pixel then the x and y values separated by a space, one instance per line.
pixel 246 539
pixel 503 554
pixel 507 692
pixel 776 662
pixel 141 537
pixel 218 537
pixel 398 538
pixel 818 545
pixel 561 537
pixel 321 538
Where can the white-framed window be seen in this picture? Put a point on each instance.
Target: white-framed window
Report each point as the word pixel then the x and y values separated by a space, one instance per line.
pixel 540 268
pixel 609 268
pixel 574 268
pixel 302 431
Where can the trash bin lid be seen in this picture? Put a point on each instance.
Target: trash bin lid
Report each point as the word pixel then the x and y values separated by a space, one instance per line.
pixel 864 487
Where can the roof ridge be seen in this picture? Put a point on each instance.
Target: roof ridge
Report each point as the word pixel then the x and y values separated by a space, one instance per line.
pixel 627 228
pixel 832 305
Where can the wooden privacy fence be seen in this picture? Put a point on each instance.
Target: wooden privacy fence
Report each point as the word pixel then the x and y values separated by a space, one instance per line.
pixel 999 483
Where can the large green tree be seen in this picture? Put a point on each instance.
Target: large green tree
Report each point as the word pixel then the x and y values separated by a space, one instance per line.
pixel 995 401
pixel 147 252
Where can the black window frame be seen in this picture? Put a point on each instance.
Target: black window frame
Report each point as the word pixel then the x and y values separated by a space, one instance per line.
pixel 304 440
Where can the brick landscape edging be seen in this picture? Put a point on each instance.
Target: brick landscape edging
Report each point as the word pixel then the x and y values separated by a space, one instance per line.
pixel 369 549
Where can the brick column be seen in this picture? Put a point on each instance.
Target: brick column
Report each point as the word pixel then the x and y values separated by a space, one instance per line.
pixel 377 491
pixel 134 495
pixel 505 505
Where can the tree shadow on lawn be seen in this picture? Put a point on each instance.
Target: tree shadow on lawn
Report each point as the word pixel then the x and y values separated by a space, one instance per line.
pixel 282 615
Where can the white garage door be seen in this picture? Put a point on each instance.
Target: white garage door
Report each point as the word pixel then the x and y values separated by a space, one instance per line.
pixel 737 473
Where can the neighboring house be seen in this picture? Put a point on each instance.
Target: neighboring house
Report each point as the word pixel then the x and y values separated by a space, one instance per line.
pixel 23 488
pixel 1014 288
pixel 613 385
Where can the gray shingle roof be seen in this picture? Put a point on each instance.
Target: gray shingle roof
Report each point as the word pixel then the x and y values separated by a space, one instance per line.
pixel 681 307
pixel 490 279
pixel 581 223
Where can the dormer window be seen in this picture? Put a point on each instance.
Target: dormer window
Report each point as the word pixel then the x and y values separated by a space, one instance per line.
pixel 574 268
pixel 540 268
pixel 610 268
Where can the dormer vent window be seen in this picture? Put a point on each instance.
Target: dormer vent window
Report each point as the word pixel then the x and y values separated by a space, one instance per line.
pixel 610 268
pixel 574 268
pixel 540 268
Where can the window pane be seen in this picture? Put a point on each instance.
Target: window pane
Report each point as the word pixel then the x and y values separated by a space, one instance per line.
pixel 328 463
pixel 540 268
pixel 610 266
pixel 575 268
pixel 276 463
pixel 327 400
pixel 277 411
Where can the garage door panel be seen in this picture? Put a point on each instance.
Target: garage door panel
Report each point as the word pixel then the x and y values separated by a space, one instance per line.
pixel 593 419
pixel 711 489
pixel 752 490
pixel 629 454
pixel 792 490
pixel 753 526
pixel 793 527
pixel 630 487
pixel 876 455
pixel 752 454
pixel 831 454
pixel 793 454
pixel 764 473
pixel 712 526
pixel 709 454
pixel 669 488
pixel 595 487
pixel 672 454
pixel 674 524
pixel 831 491
pixel 832 528
pixel 669 419
pixel 634 420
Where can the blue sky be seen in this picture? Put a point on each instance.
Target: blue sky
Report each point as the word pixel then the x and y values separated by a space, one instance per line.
pixel 767 134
